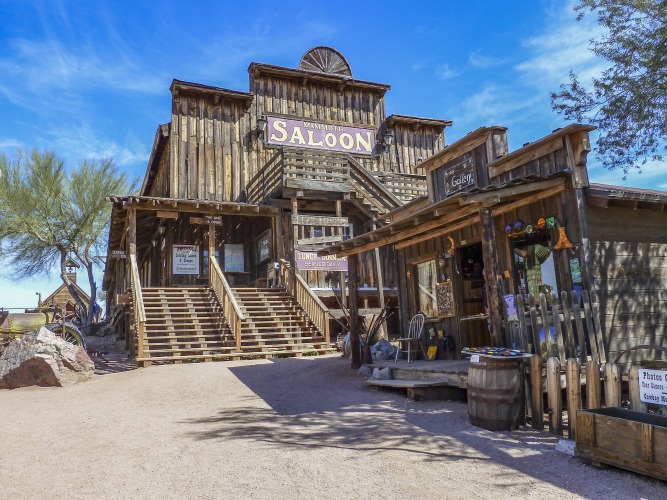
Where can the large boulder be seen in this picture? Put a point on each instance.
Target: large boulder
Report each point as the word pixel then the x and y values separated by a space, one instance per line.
pixel 44 359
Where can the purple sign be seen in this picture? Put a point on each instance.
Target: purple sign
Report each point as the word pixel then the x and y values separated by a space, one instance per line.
pixel 310 261
pixel 319 135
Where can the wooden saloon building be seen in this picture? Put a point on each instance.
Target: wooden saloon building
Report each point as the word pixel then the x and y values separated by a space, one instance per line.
pixel 497 225
pixel 217 256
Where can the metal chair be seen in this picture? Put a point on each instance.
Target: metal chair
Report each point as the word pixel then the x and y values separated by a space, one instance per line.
pixel 414 335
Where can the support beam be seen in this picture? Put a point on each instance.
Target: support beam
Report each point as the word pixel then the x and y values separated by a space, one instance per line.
pixel 353 276
pixel 341 275
pixel 380 283
pixel 491 271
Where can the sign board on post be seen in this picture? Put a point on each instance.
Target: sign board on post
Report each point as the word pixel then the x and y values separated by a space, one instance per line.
pixel 186 259
pixel 460 175
pixel 653 386
pixel 118 254
pixel 310 261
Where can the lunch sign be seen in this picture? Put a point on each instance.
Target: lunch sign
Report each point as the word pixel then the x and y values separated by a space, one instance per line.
pixel 318 135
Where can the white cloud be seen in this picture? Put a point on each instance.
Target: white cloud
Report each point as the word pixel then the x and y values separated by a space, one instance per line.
pixel 76 143
pixel 444 72
pixel 479 60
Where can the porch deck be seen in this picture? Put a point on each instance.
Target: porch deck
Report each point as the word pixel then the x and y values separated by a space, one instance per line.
pixel 438 379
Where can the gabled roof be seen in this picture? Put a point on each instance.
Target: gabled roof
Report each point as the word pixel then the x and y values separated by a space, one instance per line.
pixel 79 290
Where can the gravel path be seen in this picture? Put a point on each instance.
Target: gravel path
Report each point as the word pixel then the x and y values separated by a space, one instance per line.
pixel 285 428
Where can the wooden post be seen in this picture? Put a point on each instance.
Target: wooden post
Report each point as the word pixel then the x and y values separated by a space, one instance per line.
pixel 341 274
pixel 353 276
pixel 491 271
pixel 211 250
pixel 573 382
pixel 593 386
pixel 537 408
pixel 380 282
pixel 633 383
pixel 612 385
pixel 553 396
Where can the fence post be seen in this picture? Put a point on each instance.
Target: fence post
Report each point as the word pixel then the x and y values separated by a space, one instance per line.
pixel 593 386
pixel 612 385
pixel 635 400
pixel 573 382
pixel 553 396
pixel 537 404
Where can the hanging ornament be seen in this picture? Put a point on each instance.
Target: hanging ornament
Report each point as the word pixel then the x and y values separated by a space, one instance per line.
pixel 541 222
pixel 563 242
pixel 551 222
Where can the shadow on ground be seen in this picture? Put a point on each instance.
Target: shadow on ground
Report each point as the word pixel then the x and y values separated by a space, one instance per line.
pixel 322 403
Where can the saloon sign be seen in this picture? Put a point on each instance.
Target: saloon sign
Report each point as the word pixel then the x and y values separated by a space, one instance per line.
pixel 319 135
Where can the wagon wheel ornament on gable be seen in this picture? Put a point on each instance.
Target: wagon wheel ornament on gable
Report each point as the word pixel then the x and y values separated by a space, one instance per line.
pixel 325 60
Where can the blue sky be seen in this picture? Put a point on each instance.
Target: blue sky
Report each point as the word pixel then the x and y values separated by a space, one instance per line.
pixel 91 79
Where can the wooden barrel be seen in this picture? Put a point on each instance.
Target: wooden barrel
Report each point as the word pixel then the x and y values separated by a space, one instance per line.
pixel 495 394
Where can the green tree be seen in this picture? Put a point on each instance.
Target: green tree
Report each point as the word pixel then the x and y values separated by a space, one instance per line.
pixel 628 102
pixel 48 213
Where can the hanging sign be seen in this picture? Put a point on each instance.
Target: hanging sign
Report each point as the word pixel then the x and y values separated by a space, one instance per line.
pixel 653 386
pixel 186 259
pixel 310 261
pixel 118 254
pixel 319 135
pixel 459 176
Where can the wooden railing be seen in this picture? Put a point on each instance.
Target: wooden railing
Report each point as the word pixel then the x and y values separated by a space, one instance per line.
pixel 306 298
pixel 139 310
pixel 322 171
pixel 230 306
pixel 267 180
pixel 405 187
pixel 371 189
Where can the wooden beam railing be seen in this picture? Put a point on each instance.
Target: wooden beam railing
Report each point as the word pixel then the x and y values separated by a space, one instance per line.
pixel 269 177
pixel 139 310
pixel 225 295
pixel 370 188
pixel 405 187
pixel 306 298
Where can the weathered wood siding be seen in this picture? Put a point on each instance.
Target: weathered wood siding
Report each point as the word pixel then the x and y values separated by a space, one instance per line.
pixel 629 261
pixel 411 146
pixel 209 143
pixel 161 186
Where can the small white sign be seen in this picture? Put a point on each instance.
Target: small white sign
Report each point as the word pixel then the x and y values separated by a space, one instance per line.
pixel 474 358
pixel 653 386
pixel 186 259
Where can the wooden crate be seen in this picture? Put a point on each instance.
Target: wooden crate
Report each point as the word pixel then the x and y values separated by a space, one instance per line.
pixel 627 439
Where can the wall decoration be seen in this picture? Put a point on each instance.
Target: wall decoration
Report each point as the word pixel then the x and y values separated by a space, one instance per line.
pixel 445 299
pixel 263 247
pixel 575 270
pixel 234 258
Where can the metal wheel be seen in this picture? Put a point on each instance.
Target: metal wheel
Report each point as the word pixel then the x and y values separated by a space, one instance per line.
pixel 71 334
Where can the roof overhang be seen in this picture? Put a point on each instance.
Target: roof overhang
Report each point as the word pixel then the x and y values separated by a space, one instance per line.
pixel 451 214
pixel 216 93
pixel 604 196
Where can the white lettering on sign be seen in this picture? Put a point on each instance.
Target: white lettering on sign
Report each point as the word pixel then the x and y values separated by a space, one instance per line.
pixel 653 386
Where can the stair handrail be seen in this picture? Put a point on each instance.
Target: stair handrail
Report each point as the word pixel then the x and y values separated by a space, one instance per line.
pixel 257 188
pixel 306 298
pixel 139 309
pixel 230 306
pixel 387 201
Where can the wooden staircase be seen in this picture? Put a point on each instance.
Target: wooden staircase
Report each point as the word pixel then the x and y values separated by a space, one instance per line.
pixel 183 324
pixel 187 324
pixel 274 324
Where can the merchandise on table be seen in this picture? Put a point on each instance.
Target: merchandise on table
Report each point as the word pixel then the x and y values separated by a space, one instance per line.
pixel 494 351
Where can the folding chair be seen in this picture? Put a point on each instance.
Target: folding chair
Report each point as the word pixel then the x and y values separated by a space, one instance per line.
pixel 414 336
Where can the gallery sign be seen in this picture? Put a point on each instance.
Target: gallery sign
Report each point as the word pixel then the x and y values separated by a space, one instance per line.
pixel 319 135
pixel 186 259
pixel 310 261
pixel 460 175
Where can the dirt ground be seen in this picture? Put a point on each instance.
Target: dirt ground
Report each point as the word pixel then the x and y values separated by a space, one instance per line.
pixel 285 428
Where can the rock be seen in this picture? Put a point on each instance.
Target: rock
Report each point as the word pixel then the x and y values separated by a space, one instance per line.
pixel 383 350
pixel 566 446
pixel 365 371
pixel 381 374
pixel 44 359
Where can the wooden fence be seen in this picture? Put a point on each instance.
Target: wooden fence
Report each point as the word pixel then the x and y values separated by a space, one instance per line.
pixel 569 363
